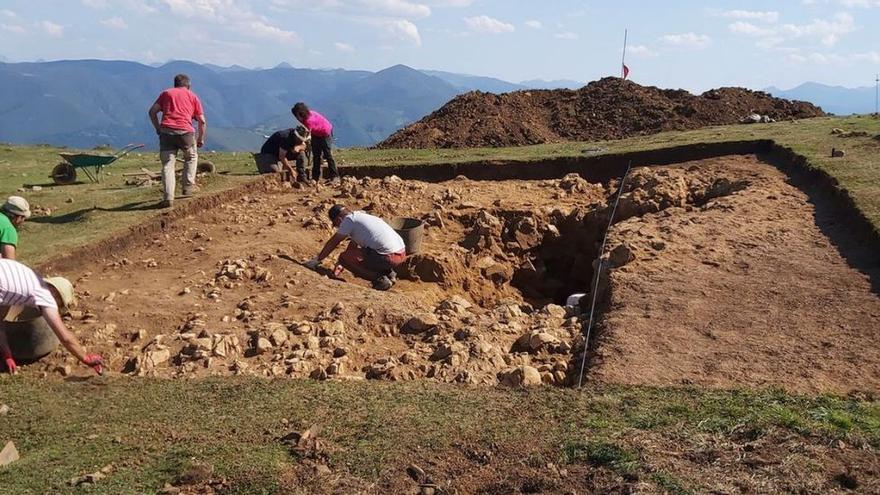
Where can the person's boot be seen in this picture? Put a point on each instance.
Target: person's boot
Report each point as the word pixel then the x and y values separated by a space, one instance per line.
pixel 166 203
pixel 383 283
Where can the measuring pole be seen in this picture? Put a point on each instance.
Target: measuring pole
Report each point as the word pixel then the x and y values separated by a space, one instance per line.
pixel 877 95
pixel 623 58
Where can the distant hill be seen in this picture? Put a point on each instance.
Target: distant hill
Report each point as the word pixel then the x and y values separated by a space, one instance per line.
pixel 833 99
pixel 83 103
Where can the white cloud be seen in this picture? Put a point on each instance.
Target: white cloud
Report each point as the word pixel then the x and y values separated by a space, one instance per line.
pixel 402 29
pixel 52 29
pixel 233 15
pixel 767 16
pixel 828 32
pixel 860 3
pixel 115 23
pixel 486 24
pixel 8 14
pixel 13 28
pixel 343 47
pixel 397 8
pixel 641 51
pixel 687 40
pixel 566 35
pixel 535 24
pixel 816 58
pixel 95 4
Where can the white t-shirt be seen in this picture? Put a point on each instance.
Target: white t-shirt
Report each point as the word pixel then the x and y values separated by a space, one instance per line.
pixel 20 286
pixel 371 232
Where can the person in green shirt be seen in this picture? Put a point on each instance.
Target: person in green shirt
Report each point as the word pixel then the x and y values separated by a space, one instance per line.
pixel 12 215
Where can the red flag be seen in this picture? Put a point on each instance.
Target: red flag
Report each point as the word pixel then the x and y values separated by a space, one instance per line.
pixel 625 71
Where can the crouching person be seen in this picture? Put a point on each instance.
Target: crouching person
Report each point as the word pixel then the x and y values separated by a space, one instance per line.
pixel 280 149
pixel 375 249
pixel 21 291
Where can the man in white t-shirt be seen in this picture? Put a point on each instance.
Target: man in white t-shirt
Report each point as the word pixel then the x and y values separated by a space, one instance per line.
pixel 20 286
pixel 374 251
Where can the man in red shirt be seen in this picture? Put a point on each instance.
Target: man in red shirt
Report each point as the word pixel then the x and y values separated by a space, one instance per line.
pixel 179 107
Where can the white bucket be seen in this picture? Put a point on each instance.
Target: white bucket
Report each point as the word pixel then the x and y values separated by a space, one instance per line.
pixel 574 299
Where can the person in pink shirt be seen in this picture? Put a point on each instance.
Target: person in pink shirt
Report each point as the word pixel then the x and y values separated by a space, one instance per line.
pixel 179 107
pixel 322 135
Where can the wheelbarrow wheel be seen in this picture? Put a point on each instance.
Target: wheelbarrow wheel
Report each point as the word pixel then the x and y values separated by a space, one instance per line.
pixel 64 173
pixel 205 167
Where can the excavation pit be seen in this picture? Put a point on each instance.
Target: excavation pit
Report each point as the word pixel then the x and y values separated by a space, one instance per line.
pixel 720 272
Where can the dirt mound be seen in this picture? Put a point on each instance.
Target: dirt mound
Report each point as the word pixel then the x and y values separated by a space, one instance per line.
pixel 606 109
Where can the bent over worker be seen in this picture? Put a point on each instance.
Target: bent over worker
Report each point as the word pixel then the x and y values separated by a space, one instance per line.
pixel 374 251
pixel 20 286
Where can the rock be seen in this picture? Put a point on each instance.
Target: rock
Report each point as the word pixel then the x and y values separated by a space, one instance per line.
pixel 553 311
pixel 620 255
pixel 225 345
pixel 340 352
pixel 9 454
pixel 4 409
pixel 63 370
pixel 421 323
pixel 521 376
pixel 539 340
pixel 836 153
pixel 262 345
pixel 442 351
pixel 279 336
pixel 455 304
pixel 836 130
pixel 151 359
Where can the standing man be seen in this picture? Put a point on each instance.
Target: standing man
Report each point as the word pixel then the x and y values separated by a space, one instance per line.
pixel 179 107
pixel 374 251
pixel 12 215
pixel 281 147
pixel 322 134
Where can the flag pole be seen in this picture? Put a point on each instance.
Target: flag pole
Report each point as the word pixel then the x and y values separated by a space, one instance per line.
pixel 623 58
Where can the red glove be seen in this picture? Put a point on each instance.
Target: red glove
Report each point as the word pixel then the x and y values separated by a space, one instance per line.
pixel 10 366
pixel 96 362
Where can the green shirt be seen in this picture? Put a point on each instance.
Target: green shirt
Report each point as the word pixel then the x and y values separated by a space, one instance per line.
pixel 8 234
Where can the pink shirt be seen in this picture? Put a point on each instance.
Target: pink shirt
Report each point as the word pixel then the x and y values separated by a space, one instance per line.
pixel 318 125
pixel 179 107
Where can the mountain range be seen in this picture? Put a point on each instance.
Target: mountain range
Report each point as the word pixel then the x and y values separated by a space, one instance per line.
pixel 86 103
pixel 833 99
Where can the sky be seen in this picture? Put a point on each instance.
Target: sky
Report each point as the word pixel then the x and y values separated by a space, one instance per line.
pixel 695 45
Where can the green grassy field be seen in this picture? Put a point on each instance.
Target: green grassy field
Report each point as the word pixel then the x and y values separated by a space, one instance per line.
pixel 152 430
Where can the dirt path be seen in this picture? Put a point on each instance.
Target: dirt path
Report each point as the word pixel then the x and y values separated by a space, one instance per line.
pixel 732 283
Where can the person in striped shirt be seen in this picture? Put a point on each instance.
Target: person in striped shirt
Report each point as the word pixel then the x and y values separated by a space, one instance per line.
pixel 20 286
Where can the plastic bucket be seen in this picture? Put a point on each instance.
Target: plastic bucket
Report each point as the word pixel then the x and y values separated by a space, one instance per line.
pixel 411 231
pixel 29 340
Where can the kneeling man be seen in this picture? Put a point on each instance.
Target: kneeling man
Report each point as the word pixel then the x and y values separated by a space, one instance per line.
pixel 282 147
pixel 374 251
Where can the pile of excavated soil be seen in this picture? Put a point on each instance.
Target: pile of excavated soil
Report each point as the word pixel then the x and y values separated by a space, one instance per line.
pixel 606 109
pixel 722 274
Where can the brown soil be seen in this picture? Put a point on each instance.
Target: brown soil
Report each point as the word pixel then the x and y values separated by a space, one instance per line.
pixel 606 109
pixel 740 462
pixel 724 275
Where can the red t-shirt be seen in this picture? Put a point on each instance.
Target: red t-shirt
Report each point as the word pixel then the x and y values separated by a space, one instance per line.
pixel 179 107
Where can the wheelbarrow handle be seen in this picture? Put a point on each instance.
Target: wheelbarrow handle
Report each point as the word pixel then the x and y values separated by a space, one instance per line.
pixel 128 149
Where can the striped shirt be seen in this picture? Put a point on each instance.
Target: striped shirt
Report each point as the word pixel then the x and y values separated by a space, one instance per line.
pixel 20 286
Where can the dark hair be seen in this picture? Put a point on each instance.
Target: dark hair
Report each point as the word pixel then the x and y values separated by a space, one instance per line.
pixel 334 212
pixel 181 81
pixel 300 109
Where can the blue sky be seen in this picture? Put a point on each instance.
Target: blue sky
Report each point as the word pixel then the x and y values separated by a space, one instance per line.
pixel 688 44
